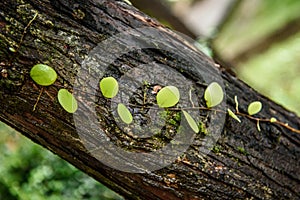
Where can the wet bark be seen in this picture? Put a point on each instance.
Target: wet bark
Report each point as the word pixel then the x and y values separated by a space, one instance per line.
pixel 239 163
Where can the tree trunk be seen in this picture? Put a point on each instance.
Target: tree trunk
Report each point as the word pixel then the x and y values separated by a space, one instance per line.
pixel 146 159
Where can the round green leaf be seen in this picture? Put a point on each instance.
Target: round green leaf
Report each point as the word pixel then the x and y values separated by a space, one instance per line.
pixel 124 113
pixel 67 100
pixel 254 107
pixel 168 97
pixel 43 74
pixel 213 95
pixel 109 87
pixel 191 121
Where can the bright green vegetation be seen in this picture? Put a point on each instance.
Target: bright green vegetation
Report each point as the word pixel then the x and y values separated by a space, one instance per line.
pixel 109 87
pixel 124 113
pixel 254 107
pixel 213 94
pixel 191 121
pixel 67 100
pixel 231 114
pixel 43 74
pixel 168 96
pixel 273 119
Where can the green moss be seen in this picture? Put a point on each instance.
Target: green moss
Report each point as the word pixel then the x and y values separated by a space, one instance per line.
pixel 172 121
pixel 216 149
pixel 242 150
pixel 203 128
pixel 146 83
pixel 177 116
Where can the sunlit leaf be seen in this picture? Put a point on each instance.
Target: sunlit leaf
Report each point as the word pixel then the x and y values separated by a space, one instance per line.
pixel 191 121
pixel 213 95
pixel 168 97
pixel 124 113
pixel 254 107
pixel 43 74
pixel 109 87
pixel 231 114
pixel 273 119
pixel 67 100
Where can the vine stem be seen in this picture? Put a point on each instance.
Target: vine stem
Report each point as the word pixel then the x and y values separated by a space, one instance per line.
pixel 38 99
pixel 25 31
pixel 269 120
pixel 287 126
pixel 222 111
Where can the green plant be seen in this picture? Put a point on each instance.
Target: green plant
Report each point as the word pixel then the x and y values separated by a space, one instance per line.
pixel 67 100
pixel 191 121
pixel 124 113
pixel 254 107
pixel 168 97
pixel 273 120
pixel 43 74
pixel 231 114
pixel 109 87
pixel 213 95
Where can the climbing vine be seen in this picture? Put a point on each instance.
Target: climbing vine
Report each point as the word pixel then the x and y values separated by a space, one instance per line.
pixel 45 75
pixel 168 96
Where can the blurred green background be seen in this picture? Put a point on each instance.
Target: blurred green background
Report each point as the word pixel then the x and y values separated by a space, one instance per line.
pixel 262 42
pixel 30 172
pixel 258 39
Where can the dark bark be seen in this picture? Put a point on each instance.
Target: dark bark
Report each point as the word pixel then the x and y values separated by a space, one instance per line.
pixel 243 164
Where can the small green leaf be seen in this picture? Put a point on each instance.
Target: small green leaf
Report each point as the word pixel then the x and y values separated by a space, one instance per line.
pixel 109 87
pixel 43 74
pixel 213 95
pixel 203 45
pixel 254 107
pixel 231 114
pixel 273 119
pixel 124 113
pixel 191 121
pixel 168 97
pixel 67 100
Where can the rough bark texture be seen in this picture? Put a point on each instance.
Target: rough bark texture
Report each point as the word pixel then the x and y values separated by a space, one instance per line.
pixel 243 164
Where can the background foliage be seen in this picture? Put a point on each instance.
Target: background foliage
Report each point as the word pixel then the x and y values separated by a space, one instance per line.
pixel 264 48
pixel 29 172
